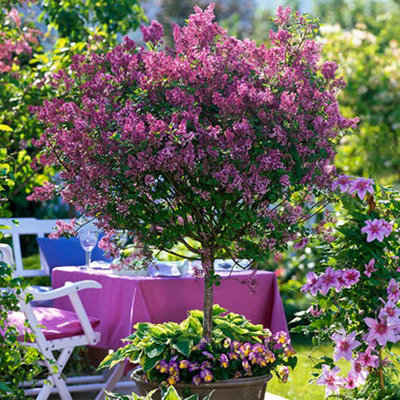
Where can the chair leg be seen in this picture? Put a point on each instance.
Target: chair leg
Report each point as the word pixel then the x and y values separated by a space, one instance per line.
pixel 112 381
pixel 59 381
pixel 45 391
pixel 55 378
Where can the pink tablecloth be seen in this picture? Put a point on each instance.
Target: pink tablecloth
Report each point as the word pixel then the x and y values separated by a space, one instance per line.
pixel 126 300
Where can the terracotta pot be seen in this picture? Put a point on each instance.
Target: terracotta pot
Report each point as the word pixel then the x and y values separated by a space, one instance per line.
pixel 252 388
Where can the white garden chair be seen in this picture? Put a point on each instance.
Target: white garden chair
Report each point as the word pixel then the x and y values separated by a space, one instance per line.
pixel 47 343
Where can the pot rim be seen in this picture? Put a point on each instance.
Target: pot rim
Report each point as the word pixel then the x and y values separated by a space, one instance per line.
pixel 245 381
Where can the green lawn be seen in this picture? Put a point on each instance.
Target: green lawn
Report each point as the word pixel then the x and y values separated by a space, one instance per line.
pixel 297 387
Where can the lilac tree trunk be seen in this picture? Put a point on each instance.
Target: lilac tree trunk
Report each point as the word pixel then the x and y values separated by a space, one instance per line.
pixel 208 268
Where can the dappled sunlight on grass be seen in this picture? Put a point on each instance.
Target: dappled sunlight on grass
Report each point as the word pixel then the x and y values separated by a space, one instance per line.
pixel 298 387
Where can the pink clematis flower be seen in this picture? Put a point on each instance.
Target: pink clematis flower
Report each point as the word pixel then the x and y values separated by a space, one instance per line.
pixel 361 186
pixel 315 312
pixel 381 331
pixel 351 381
pixel 393 291
pixel 344 345
pixel 359 373
pixel 370 267
pixel 312 283
pixel 330 380
pixel 389 310
pixel 343 182
pixel 368 359
pixel 375 229
pixel 350 277
pixel 388 226
pixel 328 280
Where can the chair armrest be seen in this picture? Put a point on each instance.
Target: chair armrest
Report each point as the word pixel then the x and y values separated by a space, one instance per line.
pixel 7 253
pixel 66 290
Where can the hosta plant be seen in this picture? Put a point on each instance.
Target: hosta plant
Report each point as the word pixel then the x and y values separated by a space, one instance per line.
pixel 356 288
pixel 176 353
pixel 211 140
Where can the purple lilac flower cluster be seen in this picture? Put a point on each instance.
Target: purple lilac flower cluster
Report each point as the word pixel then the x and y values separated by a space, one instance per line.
pixel 229 360
pixel 338 280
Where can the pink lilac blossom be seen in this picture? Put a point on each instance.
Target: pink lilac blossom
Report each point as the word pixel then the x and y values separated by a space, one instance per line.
pixel 42 193
pixel 330 379
pixel 108 244
pixel 370 267
pixel 152 33
pixel 282 15
pixel 64 228
pixel 328 70
pixel 377 229
pixel 344 345
pixel 361 186
pixel 301 244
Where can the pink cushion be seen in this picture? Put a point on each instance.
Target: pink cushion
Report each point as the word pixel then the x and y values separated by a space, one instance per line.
pixel 58 323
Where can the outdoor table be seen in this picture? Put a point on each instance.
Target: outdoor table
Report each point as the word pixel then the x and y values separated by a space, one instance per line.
pixel 125 300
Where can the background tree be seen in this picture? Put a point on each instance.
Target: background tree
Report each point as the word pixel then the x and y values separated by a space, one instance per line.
pixel 369 57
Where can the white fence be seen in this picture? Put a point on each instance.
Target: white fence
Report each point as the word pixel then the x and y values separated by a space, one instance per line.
pixel 27 226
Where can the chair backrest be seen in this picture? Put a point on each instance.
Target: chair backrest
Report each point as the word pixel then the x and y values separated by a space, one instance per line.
pixel 61 252
pixel 26 226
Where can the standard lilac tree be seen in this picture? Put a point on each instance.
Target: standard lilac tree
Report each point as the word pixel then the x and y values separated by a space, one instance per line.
pixel 210 141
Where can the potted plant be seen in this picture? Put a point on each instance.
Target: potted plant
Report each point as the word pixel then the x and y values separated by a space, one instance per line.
pixel 176 354
pixel 216 144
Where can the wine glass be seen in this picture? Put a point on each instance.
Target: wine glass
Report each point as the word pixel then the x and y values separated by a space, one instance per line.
pixel 88 237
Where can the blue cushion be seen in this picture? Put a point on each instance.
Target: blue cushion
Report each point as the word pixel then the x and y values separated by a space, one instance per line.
pixel 61 252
